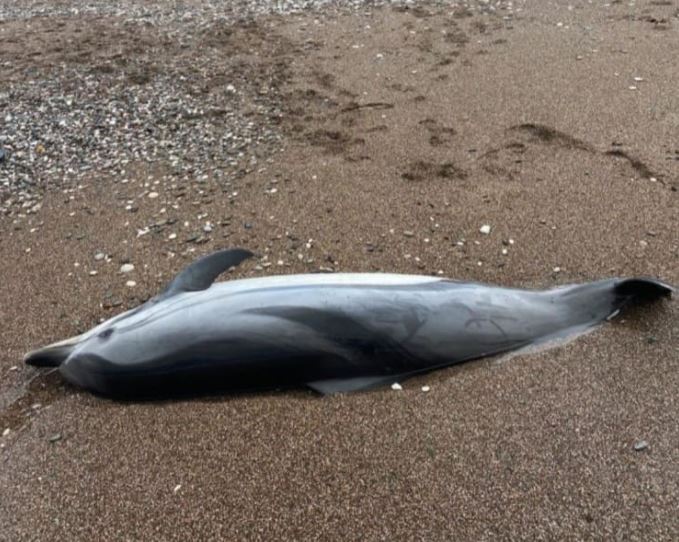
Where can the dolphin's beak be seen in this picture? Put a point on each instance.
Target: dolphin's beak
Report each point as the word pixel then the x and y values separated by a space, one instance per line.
pixel 54 354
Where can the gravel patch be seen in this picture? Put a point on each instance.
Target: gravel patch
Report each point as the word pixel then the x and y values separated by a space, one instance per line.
pixel 94 86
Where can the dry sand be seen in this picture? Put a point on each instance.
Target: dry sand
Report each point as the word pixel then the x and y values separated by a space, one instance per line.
pixel 427 121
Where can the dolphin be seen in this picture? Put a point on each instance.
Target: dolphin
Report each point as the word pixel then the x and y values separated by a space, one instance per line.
pixel 332 333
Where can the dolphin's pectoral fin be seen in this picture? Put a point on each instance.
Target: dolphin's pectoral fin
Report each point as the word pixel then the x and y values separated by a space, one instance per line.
pixel 348 385
pixel 202 273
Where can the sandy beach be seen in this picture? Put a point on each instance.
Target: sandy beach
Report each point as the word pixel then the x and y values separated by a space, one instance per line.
pixel 342 136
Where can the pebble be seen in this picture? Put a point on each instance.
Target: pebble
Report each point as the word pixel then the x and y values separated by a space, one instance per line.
pixel 172 236
pixel 126 268
pixel 130 284
pixel 54 438
pixel 93 273
pixel 640 445
pixel 408 233
pixel 396 386
pixel 177 488
pixel 153 195
pixel 99 256
pixel 485 229
pixel 6 432
pixel 425 388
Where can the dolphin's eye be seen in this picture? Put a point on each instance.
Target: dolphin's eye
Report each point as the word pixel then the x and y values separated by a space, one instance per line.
pixel 105 334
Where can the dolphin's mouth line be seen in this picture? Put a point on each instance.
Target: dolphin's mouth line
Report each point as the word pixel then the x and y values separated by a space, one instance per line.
pixel 53 354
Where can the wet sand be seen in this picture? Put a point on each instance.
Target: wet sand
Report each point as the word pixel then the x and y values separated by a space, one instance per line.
pixel 403 131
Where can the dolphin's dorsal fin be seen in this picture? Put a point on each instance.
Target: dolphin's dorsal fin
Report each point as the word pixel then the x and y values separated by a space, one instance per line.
pixel 202 273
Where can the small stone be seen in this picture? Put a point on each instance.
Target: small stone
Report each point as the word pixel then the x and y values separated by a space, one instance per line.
pixel 207 228
pixel 557 269
pixel 94 273
pixel 177 488
pixel 126 268
pixel 396 386
pixel 505 252
pixel 55 438
pixel 425 388
pixel 172 236
pixel 485 229
pixel 153 195
pixel 408 233
pixel 130 284
pixel 6 432
pixel 99 256
pixel 640 445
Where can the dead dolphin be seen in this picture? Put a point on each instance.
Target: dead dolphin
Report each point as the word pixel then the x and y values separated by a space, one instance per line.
pixel 330 332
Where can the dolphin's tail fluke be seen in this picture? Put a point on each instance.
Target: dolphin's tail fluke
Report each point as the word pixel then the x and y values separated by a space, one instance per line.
pixel 642 289
pixel 52 355
pixel 601 300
